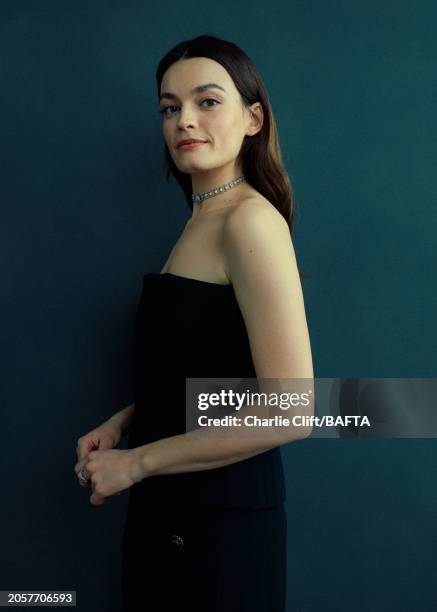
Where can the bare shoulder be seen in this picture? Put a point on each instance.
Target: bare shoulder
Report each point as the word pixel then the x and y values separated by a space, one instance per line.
pixel 257 245
pixel 254 216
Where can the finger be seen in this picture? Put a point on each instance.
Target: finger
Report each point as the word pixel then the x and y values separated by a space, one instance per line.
pixel 86 485
pixel 106 443
pixel 80 465
pixel 97 500
pixel 86 446
pixel 77 469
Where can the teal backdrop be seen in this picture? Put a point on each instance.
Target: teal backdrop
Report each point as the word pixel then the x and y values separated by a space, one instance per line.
pixel 86 211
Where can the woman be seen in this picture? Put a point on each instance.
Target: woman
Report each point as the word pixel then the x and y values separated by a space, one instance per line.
pixel 206 526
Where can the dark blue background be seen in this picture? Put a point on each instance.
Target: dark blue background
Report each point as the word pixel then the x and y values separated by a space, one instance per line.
pixel 86 210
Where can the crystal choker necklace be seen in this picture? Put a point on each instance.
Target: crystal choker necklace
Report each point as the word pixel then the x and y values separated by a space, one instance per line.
pixel 199 197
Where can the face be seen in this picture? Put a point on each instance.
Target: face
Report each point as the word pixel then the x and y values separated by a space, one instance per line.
pixel 214 115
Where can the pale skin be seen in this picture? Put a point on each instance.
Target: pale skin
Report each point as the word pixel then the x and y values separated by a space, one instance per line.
pixel 237 237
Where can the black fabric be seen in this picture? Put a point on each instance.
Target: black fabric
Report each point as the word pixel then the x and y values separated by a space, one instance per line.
pixel 231 520
pixel 191 328
pixel 205 559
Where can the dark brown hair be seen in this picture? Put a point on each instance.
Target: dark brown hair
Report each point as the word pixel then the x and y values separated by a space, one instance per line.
pixel 260 155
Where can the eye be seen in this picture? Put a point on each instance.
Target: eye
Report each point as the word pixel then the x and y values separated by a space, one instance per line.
pixel 163 111
pixel 210 100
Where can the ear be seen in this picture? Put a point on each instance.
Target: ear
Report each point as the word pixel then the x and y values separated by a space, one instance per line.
pixel 256 119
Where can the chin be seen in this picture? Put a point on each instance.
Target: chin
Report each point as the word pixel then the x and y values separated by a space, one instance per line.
pixel 193 168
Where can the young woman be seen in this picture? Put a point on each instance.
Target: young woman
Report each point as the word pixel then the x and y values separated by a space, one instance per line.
pixel 206 525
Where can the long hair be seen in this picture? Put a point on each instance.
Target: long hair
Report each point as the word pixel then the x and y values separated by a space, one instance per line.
pixel 260 155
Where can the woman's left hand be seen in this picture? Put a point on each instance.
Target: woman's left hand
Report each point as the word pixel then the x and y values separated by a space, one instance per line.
pixel 110 472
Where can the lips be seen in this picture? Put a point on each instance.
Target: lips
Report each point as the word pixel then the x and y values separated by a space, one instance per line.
pixel 190 142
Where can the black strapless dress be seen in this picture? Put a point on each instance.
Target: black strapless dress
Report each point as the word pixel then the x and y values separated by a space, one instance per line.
pixel 212 540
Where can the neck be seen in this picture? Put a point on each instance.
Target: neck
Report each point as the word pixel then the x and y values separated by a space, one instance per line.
pixel 210 179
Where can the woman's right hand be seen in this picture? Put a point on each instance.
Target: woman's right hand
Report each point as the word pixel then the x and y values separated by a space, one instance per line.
pixel 106 436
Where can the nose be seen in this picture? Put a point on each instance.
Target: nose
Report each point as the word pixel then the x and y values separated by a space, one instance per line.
pixel 186 118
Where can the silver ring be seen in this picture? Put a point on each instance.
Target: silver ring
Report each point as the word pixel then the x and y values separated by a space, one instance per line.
pixel 82 476
pixel 178 540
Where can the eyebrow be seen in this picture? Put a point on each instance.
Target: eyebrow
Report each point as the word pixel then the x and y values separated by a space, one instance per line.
pixel 198 89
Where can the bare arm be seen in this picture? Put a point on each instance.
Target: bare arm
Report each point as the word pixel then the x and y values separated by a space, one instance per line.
pixel 123 417
pixel 190 453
